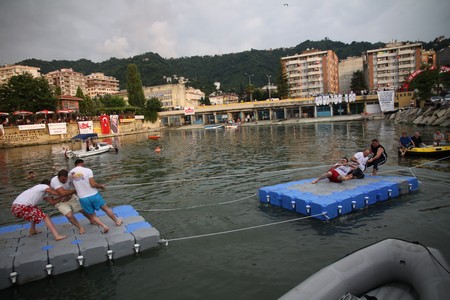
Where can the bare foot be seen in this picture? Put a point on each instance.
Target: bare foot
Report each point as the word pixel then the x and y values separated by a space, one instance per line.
pixel 314 181
pixel 60 237
pixel 105 229
pixel 33 232
pixel 119 221
pixel 82 230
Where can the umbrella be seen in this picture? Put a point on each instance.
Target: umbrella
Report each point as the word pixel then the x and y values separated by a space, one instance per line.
pixel 22 113
pixel 45 112
pixel 3 114
pixel 64 111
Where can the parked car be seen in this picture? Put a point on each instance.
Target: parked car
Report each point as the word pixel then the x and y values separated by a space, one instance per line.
pixel 447 98
pixel 434 100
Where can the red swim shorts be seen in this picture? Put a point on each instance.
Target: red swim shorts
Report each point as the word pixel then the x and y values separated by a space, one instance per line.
pixel 29 213
pixel 334 176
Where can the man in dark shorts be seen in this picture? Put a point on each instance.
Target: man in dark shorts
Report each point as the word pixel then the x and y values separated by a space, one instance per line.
pixel 379 156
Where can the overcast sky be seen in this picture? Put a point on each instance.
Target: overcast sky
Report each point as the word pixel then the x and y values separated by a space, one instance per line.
pixel 100 29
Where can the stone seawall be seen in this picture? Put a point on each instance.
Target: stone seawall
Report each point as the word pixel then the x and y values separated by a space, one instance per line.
pixel 422 116
pixel 13 137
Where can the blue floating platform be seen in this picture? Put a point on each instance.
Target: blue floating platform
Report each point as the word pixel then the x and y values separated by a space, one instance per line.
pixel 25 258
pixel 327 200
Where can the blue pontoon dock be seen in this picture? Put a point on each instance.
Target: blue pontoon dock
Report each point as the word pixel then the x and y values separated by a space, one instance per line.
pixel 327 200
pixel 25 258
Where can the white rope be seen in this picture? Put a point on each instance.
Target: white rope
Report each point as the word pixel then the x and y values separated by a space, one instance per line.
pixel 195 206
pixel 166 241
pixel 214 177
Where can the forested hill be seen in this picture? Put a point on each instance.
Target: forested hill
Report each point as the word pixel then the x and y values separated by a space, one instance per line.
pixel 203 71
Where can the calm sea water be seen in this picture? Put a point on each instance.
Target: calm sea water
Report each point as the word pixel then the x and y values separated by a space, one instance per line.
pixel 205 181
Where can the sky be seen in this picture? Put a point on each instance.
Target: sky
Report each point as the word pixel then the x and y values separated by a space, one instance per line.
pixel 100 29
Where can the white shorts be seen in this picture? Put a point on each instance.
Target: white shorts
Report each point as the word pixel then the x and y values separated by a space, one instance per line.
pixel 72 205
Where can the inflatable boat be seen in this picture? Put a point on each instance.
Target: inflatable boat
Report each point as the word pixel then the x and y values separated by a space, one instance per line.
pixel 390 269
pixel 430 151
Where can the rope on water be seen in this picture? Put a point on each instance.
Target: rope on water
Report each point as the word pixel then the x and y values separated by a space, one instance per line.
pixel 195 206
pixel 166 241
pixel 214 177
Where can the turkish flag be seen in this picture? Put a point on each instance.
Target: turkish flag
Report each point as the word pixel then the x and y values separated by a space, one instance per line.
pixel 104 121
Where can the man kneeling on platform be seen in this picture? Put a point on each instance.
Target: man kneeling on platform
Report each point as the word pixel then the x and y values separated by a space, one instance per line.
pixel 71 203
pixel 341 171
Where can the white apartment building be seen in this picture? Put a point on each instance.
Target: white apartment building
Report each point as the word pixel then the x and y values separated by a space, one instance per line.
pixel 8 71
pixel 98 85
pixel 311 73
pixel 226 98
pixel 174 95
pixel 68 80
pixel 387 68
pixel 346 69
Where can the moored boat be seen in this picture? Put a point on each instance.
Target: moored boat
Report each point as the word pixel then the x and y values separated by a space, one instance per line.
pixel 92 147
pixel 430 151
pixel 154 137
pixel 213 126
pixel 389 269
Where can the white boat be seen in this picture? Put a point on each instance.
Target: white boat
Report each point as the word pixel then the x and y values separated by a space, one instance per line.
pixel 213 126
pixel 232 126
pixel 390 269
pixel 92 147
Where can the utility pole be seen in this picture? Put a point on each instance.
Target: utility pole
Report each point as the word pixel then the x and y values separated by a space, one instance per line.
pixel 250 85
pixel 268 79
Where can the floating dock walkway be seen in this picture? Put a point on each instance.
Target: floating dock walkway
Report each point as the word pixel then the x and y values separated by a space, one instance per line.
pixel 25 258
pixel 327 200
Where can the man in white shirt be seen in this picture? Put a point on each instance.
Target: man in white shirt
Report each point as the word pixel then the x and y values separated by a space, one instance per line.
pixel 25 207
pixel 70 203
pixel 83 180
pixel 341 171
pixel 361 159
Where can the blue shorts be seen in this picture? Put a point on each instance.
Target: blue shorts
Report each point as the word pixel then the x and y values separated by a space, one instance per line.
pixel 92 203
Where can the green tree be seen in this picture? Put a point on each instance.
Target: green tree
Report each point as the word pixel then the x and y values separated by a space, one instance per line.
pixel 358 82
pixel 151 109
pixel 86 105
pixel 423 84
pixel 109 100
pixel 282 84
pixel 134 87
pixel 205 101
pixel 24 92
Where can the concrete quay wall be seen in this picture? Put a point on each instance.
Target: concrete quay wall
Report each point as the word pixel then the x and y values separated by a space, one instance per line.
pixel 13 137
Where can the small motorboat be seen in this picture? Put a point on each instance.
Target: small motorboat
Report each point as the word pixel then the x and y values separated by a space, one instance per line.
pixel 92 147
pixel 430 151
pixel 389 269
pixel 154 137
pixel 213 126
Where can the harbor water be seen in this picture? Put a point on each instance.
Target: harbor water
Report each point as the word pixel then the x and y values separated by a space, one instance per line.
pixel 200 192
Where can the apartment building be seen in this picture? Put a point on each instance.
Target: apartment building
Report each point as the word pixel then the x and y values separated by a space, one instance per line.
pixel 68 80
pixel 346 69
pixel 97 84
pixel 311 73
pixel 387 68
pixel 174 95
pixel 226 98
pixel 8 71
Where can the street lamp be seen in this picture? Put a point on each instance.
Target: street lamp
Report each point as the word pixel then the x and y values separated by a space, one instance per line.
pixel 268 79
pixel 250 85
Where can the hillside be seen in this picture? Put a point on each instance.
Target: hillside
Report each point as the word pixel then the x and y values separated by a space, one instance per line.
pixel 203 71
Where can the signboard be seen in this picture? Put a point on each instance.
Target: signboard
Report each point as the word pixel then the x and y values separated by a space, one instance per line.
pixel 57 128
pixel 139 117
pixel 114 123
pixel 86 126
pixel 127 120
pixel 189 111
pixel 2 130
pixel 32 127
pixel 386 100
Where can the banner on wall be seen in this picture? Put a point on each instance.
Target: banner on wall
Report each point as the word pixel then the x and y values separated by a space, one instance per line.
pixel 32 127
pixel 104 121
pixel 57 128
pixel 86 126
pixel 114 123
pixel 2 130
pixel 386 100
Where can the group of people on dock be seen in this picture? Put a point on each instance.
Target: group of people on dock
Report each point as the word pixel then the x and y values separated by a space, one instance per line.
pixel 406 142
pixel 345 169
pixel 70 192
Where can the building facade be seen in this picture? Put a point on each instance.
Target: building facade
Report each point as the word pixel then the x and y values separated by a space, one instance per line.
pixel 97 84
pixel 8 71
pixel 174 96
pixel 67 80
pixel 346 69
pixel 226 98
pixel 387 68
pixel 311 73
